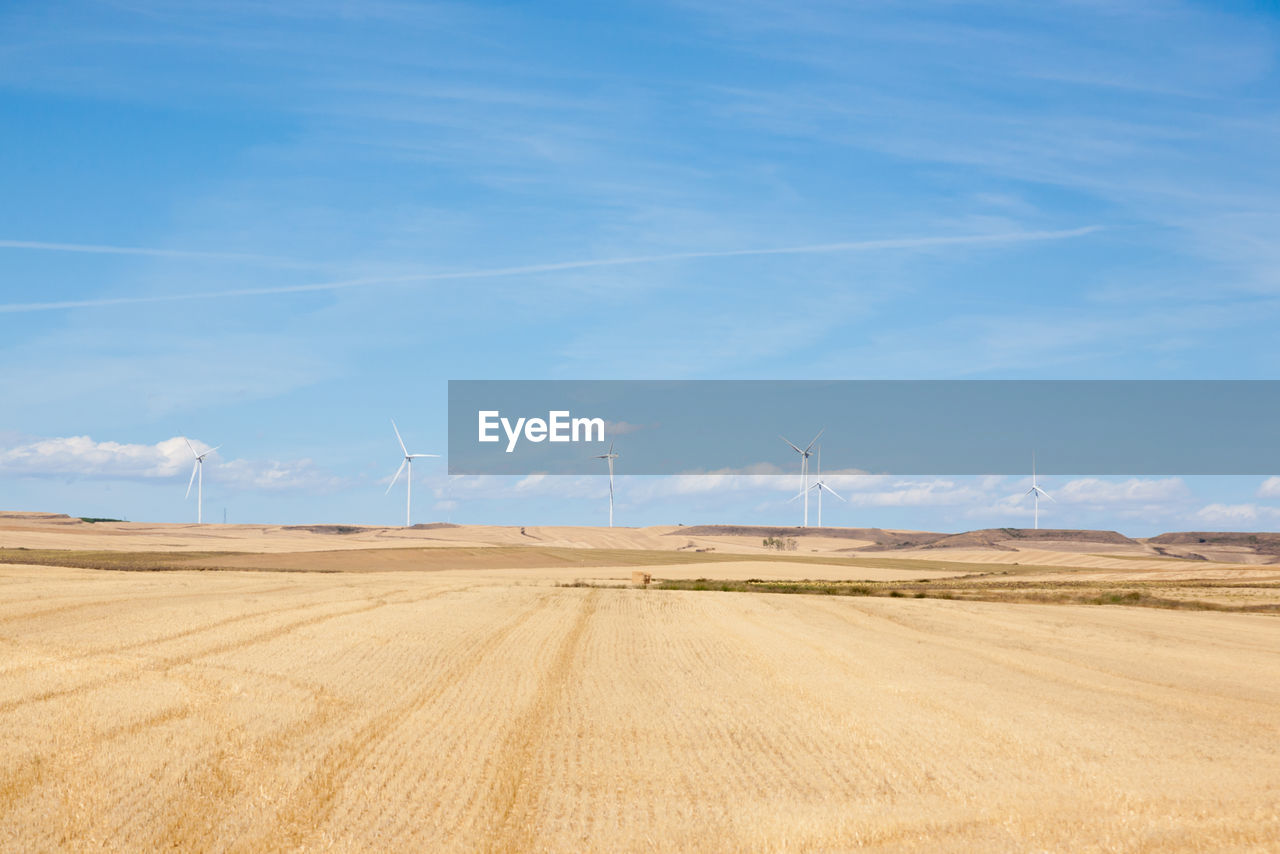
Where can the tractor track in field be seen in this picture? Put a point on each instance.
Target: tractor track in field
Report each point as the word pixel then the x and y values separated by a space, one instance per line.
pixel 169 662
pixel 312 803
pixel 511 796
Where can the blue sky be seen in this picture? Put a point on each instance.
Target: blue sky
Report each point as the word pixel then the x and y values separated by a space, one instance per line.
pixel 1066 190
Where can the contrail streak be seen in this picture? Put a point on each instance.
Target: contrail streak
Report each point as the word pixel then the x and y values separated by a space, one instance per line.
pixel 98 249
pixel 531 269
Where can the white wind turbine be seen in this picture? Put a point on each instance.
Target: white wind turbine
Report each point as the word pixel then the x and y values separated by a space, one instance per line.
pixel 611 456
pixel 804 470
pixel 820 486
pixel 1036 491
pixel 407 462
pixel 197 476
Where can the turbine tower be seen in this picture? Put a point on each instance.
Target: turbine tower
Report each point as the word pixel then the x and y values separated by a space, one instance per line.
pixel 611 456
pixel 821 487
pixel 407 462
pixel 197 477
pixel 1036 492
pixel 804 470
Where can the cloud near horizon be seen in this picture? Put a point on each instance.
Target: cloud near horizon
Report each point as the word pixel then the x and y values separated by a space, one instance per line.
pixel 1237 514
pixel 1092 490
pixel 979 498
pixel 82 457
pixel 992 493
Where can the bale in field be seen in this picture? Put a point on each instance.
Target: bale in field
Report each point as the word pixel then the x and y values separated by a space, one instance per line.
pixel 640 579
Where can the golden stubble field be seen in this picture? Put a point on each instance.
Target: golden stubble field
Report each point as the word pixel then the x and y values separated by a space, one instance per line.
pixel 487 710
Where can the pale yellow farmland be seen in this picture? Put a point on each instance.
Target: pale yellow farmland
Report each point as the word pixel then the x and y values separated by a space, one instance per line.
pixel 491 708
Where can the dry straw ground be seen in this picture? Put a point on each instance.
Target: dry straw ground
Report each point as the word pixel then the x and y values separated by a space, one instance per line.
pixel 491 709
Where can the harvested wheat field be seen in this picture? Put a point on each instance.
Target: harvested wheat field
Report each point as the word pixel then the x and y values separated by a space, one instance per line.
pixel 491 709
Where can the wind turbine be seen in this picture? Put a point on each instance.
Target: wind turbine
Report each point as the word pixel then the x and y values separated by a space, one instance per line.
pixel 197 475
pixel 407 462
pixel 1036 491
pixel 804 470
pixel 611 456
pixel 821 486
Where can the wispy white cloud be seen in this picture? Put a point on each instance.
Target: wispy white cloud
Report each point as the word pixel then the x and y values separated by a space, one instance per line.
pixel 903 243
pixel 1270 488
pixel 621 428
pixel 1243 515
pixel 83 457
pixel 764 482
pixel 920 493
pixel 278 476
pixel 955 503
pixel 1135 490
pixel 761 479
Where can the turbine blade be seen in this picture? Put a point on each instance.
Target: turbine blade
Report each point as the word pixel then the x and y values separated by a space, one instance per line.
pixel 815 439
pixel 788 441
pixel 210 451
pixel 833 492
pixel 398 439
pixel 415 456
pixel 403 463
pixel 193 450
pixel 193 478
pixel 798 495
pixel 1046 495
